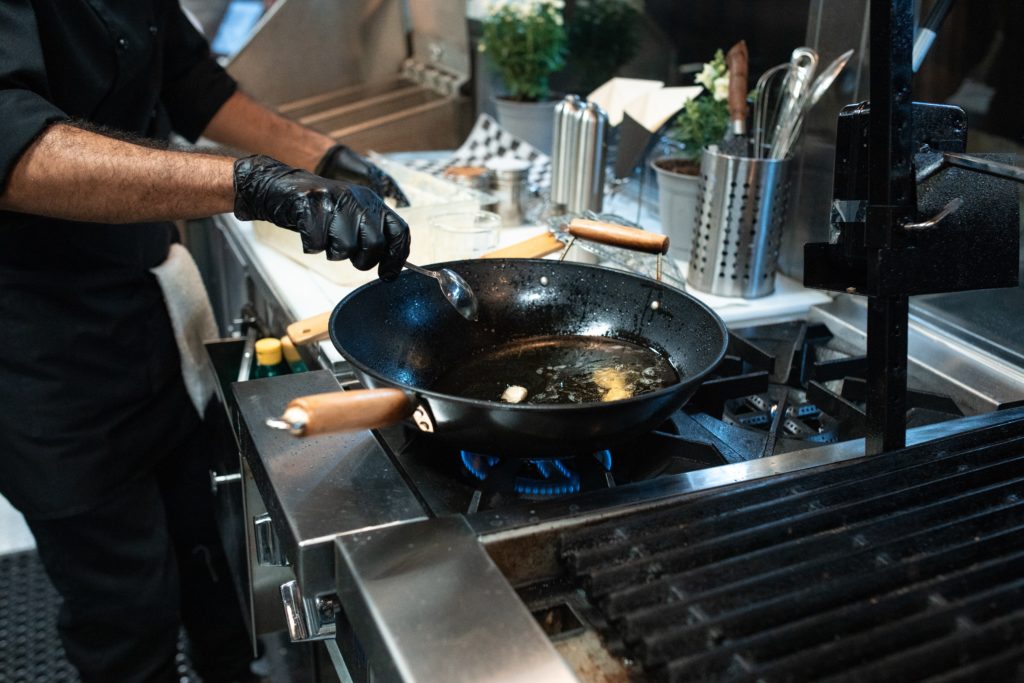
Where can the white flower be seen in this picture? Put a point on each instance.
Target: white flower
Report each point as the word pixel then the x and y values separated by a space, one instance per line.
pixel 721 89
pixel 706 77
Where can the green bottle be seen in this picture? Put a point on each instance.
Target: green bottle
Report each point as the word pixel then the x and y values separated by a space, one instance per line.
pixel 291 356
pixel 269 360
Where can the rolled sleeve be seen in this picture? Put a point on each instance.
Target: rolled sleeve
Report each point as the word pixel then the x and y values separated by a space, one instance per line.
pixel 25 108
pixel 27 114
pixel 195 87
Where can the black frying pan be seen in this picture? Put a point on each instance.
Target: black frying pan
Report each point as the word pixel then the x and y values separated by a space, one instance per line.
pixel 402 337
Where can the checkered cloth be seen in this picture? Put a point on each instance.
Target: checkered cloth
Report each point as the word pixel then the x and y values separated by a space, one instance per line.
pixel 489 141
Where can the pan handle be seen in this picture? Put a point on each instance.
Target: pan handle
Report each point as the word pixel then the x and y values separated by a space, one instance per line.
pixel 311 329
pixel 343 411
pixel 619 236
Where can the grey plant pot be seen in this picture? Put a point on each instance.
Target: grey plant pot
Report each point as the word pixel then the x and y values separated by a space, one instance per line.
pixel 533 122
pixel 677 208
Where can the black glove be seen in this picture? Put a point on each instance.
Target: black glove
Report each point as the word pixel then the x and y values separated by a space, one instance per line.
pixel 349 221
pixel 341 163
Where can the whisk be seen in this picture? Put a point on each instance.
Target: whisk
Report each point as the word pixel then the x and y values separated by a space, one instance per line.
pixel 768 98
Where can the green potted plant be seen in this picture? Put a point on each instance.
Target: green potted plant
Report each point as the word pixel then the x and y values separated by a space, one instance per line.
pixel 525 41
pixel 704 120
pixel 603 35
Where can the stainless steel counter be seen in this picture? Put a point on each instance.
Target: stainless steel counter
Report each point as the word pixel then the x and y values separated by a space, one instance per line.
pixel 313 490
pixel 441 608
pixel 958 346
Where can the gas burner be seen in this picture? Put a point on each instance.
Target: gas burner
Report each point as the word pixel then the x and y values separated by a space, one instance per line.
pixel 801 419
pixel 531 478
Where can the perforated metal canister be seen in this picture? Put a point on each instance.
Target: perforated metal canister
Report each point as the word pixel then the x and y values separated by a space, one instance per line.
pixel 741 206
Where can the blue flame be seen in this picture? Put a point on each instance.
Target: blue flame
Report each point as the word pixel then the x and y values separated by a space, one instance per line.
pixel 556 478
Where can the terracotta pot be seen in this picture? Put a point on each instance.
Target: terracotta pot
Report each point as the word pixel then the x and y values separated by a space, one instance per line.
pixel 677 202
pixel 533 122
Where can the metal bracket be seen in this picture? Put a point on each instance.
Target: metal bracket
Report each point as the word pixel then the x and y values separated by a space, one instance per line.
pixel 421 417
pixel 269 552
pixel 432 76
pixel 308 622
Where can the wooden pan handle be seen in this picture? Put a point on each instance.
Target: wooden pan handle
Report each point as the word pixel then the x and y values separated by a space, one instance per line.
pixel 346 411
pixel 310 330
pixel 619 236
pixel 535 247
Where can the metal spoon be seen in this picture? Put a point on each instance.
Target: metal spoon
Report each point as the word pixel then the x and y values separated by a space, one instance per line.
pixel 804 62
pixel 458 292
pixel 825 79
pixel 817 90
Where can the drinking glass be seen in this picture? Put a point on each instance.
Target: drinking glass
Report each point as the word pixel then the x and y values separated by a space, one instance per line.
pixel 464 235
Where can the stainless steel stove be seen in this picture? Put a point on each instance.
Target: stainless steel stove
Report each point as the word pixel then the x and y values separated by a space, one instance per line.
pixel 418 561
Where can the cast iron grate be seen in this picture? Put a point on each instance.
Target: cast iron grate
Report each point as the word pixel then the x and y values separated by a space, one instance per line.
pixel 906 566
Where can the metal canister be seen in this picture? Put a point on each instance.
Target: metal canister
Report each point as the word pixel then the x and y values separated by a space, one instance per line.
pixel 564 148
pixel 512 189
pixel 586 192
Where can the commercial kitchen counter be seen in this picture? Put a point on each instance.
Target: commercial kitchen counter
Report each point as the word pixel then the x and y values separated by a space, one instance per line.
pixel 302 293
pixel 953 358
pixel 327 511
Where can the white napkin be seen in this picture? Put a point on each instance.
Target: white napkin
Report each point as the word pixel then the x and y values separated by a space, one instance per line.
pixel 191 318
pixel 653 109
pixel 614 95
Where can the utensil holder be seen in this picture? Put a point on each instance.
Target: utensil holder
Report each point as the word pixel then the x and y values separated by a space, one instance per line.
pixel 741 205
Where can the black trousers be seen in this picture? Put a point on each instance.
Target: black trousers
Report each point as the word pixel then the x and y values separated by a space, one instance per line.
pixel 136 569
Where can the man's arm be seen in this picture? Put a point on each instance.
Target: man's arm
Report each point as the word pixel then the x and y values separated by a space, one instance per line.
pixel 76 174
pixel 81 175
pixel 245 124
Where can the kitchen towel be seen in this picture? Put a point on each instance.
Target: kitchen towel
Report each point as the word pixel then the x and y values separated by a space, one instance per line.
pixel 191 319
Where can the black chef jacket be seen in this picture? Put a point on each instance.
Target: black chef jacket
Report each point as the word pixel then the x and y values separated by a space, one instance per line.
pixel 90 390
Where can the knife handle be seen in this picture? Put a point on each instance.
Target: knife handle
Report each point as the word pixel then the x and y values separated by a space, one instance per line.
pixel 737 61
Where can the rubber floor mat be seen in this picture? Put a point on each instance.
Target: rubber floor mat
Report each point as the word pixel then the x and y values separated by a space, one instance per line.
pixel 30 650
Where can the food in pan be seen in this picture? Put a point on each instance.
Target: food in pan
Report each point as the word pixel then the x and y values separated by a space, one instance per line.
pixel 560 369
pixel 514 394
pixel 615 382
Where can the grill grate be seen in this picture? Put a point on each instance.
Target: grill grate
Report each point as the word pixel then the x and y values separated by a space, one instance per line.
pixel 907 566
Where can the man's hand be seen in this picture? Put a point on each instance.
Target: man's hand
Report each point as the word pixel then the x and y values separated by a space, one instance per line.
pixel 341 163
pixel 348 221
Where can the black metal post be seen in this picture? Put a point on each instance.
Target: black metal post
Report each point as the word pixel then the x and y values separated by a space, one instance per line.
pixel 891 198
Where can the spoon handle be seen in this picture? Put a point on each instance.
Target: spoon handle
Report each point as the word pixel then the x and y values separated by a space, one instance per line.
pixel 422 271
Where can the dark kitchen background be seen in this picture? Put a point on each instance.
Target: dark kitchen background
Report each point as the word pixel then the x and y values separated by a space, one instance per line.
pixel 974 61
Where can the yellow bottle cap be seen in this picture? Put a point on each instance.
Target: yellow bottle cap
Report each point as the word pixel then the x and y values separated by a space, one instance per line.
pixel 268 351
pixel 291 354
